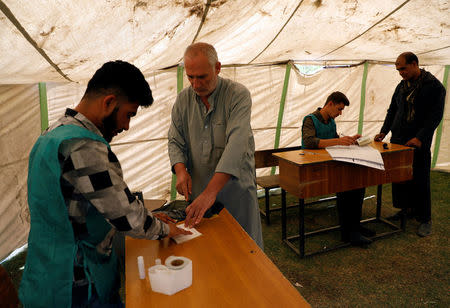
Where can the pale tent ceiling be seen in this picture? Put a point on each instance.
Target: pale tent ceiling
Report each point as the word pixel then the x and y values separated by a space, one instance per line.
pixel 46 40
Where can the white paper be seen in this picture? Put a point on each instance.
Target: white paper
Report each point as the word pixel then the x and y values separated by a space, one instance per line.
pixel 181 238
pixel 361 155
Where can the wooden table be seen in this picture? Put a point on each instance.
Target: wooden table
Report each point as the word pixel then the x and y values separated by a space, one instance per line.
pixel 229 270
pixel 311 173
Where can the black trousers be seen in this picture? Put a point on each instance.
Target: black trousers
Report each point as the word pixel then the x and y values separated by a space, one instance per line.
pixel 416 193
pixel 80 299
pixel 349 205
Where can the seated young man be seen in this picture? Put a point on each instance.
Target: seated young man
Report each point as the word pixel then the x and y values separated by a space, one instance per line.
pixel 319 131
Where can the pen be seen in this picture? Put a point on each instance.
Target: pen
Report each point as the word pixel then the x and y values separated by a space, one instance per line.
pixel 303 153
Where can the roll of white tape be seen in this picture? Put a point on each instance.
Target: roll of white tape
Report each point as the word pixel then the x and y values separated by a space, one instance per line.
pixel 176 263
pixel 172 277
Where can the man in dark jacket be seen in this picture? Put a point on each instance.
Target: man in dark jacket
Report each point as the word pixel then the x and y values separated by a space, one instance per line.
pixel 415 111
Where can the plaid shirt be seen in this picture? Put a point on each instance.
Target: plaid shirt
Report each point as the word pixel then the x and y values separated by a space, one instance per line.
pixel 92 176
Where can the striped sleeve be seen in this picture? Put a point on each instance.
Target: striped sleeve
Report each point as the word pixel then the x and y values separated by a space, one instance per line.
pixel 92 173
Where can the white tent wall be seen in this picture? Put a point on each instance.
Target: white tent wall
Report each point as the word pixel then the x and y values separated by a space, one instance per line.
pixel 62 42
pixel 61 96
pixel 305 93
pixel 19 128
pixel 142 150
pixel 265 84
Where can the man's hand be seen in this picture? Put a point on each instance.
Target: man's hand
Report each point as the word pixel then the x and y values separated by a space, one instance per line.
pixel 347 140
pixel 344 140
pixel 174 230
pixel 196 210
pixel 184 181
pixel 164 217
pixel 379 137
pixel 414 142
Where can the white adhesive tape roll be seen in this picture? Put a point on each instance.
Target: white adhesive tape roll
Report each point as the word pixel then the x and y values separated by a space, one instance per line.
pixel 172 277
pixel 176 263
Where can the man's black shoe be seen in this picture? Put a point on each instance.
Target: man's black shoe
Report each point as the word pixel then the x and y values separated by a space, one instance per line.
pixel 424 229
pixel 366 231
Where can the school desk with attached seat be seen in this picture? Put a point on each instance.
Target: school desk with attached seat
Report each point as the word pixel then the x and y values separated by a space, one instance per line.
pixel 264 159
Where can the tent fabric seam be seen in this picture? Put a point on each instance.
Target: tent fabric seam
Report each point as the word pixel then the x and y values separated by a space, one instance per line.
pixel 279 32
pixel 202 22
pixel 22 30
pixel 368 29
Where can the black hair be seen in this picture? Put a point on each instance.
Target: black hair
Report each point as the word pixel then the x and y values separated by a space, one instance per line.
pixel 122 79
pixel 410 57
pixel 337 98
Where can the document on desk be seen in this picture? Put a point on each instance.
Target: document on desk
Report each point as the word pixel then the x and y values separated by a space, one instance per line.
pixel 181 238
pixel 355 154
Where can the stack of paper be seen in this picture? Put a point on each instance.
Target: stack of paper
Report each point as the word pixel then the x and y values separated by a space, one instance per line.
pixel 365 155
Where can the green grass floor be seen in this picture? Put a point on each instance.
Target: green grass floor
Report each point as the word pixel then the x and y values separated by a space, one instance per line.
pixel 403 270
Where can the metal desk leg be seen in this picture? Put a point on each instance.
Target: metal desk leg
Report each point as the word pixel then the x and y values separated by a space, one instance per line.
pixel 379 192
pixel 301 226
pixel 283 214
pixel 403 222
pixel 267 196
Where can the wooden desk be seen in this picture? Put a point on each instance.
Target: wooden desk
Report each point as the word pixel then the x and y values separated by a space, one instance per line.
pixel 311 173
pixel 264 159
pixel 229 270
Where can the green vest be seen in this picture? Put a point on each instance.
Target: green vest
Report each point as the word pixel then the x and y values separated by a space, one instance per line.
pixel 323 131
pixel 48 276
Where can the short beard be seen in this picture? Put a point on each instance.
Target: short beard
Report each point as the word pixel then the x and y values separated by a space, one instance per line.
pixel 109 125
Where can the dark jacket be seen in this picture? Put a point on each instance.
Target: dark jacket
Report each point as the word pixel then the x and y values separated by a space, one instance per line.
pixel 428 110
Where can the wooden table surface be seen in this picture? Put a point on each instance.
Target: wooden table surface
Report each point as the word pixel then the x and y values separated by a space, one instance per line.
pixel 310 173
pixel 229 270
